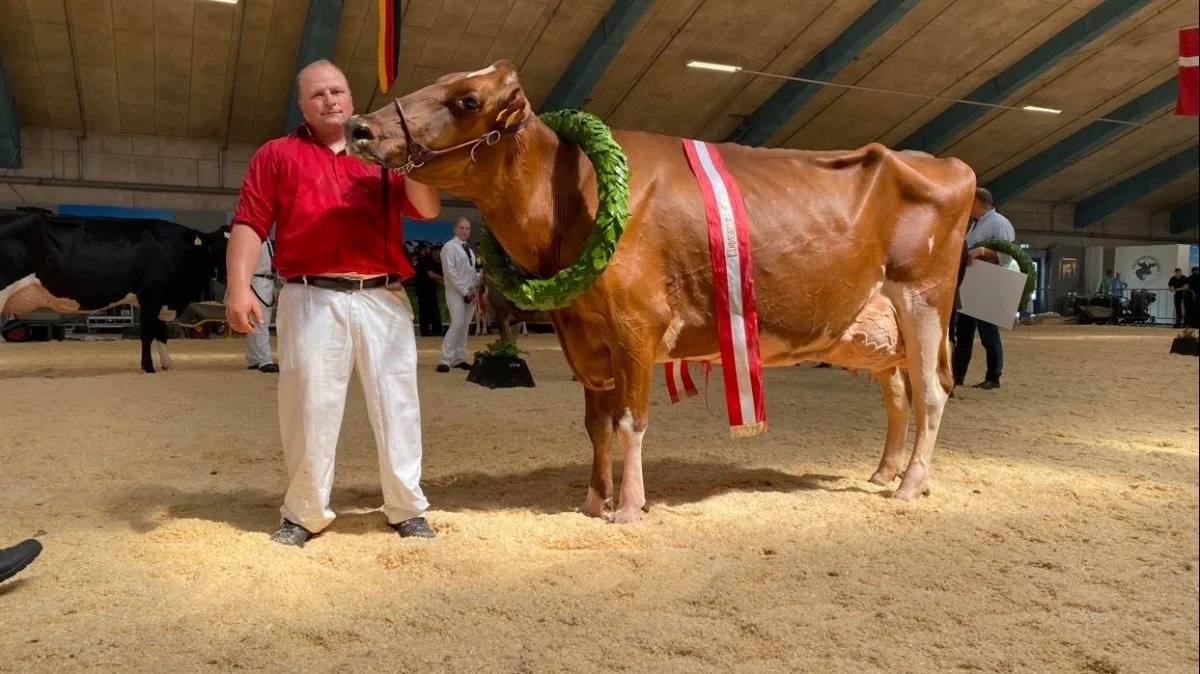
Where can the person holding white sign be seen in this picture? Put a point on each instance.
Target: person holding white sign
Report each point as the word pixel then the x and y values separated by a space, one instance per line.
pixel 986 223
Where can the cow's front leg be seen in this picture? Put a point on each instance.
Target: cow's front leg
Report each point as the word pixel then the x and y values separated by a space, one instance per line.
pixel 633 376
pixel 598 418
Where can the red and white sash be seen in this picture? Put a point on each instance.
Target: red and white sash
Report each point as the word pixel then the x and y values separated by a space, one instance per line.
pixel 679 380
pixel 733 285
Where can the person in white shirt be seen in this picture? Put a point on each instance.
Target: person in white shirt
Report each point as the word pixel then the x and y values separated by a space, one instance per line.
pixel 986 224
pixel 461 280
pixel 258 343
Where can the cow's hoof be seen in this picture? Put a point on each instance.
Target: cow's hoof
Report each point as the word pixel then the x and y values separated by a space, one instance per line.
pixel 627 515
pixel 883 477
pixel 594 506
pixel 903 494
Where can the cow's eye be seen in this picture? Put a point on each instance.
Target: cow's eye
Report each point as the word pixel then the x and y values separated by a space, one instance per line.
pixel 469 102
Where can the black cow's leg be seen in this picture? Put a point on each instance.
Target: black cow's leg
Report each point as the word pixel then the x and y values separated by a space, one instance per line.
pixel 148 329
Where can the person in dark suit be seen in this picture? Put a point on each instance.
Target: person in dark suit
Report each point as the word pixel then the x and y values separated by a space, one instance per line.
pixel 427 281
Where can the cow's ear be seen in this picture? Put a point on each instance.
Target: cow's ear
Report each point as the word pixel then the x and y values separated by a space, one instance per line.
pixel 514 111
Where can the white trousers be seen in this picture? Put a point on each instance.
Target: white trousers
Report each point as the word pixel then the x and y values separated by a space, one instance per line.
pixel 323 336
pixel 454 342
pixel 258 343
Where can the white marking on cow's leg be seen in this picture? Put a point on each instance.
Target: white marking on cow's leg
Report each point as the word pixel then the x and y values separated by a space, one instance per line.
pixel 896 400
pixel 633 490
pixel 164 356
pixel 923 335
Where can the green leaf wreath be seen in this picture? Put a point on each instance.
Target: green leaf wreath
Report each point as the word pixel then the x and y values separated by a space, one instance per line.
pixel 612 180
pixel 1023 263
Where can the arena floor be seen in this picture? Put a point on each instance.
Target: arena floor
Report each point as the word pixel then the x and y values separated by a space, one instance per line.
pixel 1061 533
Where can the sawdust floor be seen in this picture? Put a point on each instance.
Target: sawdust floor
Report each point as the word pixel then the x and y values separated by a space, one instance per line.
pixel 1061 534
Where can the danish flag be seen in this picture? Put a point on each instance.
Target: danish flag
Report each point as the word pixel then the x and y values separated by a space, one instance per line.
pixel 1188 99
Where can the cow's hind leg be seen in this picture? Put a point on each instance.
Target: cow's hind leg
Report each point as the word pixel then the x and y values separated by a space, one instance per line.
pixel 895 387
pixel 598 418
pixel 928 356
pixel 160 339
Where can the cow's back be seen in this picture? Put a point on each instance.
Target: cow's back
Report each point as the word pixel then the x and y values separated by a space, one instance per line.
pixel 827 229
pixel 97 261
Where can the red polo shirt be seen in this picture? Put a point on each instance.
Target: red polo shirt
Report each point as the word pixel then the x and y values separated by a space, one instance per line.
pixel 327 209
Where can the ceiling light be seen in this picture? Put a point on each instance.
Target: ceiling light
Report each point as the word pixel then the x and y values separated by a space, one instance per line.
pixel 227 2
pixel 1038 108
pixel 720 67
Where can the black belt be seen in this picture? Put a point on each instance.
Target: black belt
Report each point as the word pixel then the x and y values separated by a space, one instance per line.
pixel 345 284
pixel 268 276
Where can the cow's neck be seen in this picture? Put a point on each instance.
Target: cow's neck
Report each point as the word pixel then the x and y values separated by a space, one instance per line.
pixel 532 199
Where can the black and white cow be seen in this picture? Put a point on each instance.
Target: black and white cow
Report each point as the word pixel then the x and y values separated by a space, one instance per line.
pixel 87 264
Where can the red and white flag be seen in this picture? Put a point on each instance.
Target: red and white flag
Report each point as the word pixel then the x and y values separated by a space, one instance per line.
pixel 1188 100
pixel 733 287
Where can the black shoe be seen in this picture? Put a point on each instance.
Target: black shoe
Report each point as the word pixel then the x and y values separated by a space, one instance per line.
pixel 291 533
pixel 464 366
pixel 987 385
pixel 416 526
pixel 442 367
pixel 269 367
pixel 19 556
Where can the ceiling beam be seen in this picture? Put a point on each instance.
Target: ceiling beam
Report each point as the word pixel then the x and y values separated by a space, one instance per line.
pixel 768 118
pixel 10 128
pixel 577 81
pixel 1109 200
pixel 1081 143
pixel 316 43
pixel 940 130
pixel 1185 217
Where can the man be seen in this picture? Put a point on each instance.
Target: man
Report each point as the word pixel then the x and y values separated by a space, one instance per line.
pixel 429 277
pixel 458 270
pixel 258 343
pixel 986 224
pixel 340 250
pixel 1178 287
pixel 1193 300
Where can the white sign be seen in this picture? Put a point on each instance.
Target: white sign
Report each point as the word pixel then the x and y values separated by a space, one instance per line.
pixel 991 293
pixel 1150 267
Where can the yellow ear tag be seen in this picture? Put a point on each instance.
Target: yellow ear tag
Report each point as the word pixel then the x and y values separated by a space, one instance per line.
pixel 512 119
pixel 198 242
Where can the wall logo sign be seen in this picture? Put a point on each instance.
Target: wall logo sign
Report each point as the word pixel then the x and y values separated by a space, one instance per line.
pixel 1147 269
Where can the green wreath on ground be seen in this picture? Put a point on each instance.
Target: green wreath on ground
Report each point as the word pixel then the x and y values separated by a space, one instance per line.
pixel 612 179
pixel 1023 263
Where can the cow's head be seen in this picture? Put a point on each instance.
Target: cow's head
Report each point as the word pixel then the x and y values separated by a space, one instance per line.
pixel 434 133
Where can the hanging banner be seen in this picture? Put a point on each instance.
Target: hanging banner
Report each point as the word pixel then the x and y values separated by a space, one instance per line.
pixel 389 42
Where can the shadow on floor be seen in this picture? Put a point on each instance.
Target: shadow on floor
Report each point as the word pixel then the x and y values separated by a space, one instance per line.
pixel 544 490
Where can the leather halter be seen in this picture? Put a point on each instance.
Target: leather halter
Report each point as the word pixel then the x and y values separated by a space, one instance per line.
pixel 417 153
